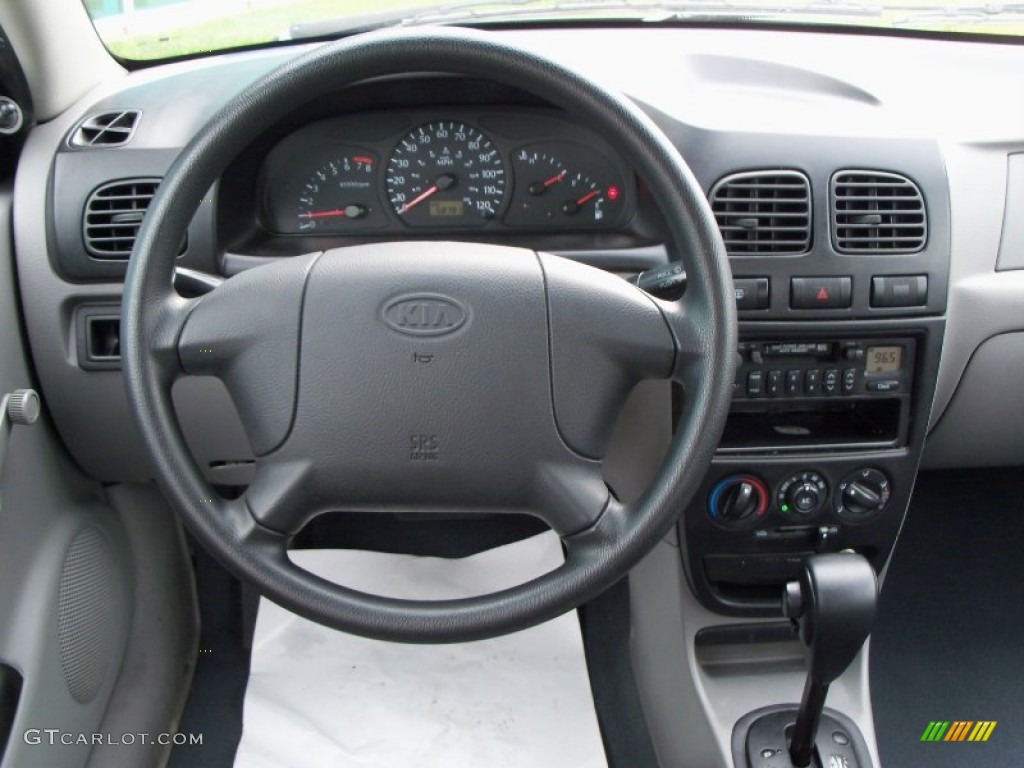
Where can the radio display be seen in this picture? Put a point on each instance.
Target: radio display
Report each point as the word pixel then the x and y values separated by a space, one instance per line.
pixel 884 360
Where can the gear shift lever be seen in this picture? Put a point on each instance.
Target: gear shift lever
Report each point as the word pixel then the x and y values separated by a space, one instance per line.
pixel 833 605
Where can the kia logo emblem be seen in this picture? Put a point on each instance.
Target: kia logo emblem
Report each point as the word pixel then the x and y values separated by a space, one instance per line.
pixel 425 314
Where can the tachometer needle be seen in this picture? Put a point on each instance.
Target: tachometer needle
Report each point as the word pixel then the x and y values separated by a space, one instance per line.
pixel 351 211
pixel 431 190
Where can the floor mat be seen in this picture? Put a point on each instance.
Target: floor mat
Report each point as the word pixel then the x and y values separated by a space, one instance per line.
pixel 322 698
pixel 949 640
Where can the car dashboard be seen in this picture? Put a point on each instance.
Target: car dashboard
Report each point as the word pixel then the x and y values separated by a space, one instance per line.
pixel 871 217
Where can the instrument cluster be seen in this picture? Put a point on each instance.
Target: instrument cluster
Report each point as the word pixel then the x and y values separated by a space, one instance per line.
pixel 444 170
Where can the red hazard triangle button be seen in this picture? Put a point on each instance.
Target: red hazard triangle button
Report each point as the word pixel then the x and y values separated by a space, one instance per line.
pixel 824 292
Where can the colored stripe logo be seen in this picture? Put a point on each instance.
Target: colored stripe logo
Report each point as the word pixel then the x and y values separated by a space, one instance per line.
pixel 958 730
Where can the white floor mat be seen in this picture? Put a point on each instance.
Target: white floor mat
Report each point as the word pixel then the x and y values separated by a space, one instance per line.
pixel 319 698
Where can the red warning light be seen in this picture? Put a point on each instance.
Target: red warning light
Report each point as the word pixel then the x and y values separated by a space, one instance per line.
pixel 613 192
pixel 822 295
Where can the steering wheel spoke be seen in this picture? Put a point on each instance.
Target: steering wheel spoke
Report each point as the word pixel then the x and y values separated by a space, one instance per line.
pixel 246 332
pixel 689 323
pixel 606 336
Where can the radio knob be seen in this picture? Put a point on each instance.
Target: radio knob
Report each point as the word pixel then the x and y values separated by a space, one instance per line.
pixel 863 494
pixel 738 501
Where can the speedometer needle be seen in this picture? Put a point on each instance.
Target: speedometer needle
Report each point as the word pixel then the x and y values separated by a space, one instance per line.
pixel 419 198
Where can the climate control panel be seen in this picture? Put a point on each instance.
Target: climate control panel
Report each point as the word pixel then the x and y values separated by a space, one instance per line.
pixel 749 530
pixel 744 501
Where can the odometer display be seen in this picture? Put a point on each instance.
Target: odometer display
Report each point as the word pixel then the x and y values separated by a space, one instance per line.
pixel 446 173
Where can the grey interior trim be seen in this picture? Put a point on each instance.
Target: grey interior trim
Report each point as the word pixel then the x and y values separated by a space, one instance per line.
pixel 691 706
pixel 71 61
pixel 988 401
pixel 982 302
pixel 150 697
pixel 1011 246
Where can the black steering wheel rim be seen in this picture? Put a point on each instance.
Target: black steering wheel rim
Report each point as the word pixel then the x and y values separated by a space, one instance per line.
pixel 152 321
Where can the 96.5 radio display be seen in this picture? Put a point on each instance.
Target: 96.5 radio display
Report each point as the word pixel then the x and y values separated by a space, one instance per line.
pixel 884 360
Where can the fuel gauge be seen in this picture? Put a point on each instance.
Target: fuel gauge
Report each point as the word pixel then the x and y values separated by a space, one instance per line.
pixel 558 184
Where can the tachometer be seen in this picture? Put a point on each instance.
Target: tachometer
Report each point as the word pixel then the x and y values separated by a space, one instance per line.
pixel 446 174
pixel 338 195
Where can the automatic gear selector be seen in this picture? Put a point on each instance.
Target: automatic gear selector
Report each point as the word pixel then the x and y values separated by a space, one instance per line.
pixel 833 607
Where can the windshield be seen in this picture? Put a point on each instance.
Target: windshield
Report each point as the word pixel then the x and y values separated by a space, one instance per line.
pixel 158 29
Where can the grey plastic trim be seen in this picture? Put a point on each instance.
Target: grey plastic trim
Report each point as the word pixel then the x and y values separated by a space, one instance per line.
pixel 691 706
pixel 982 302
pixel 1011 246
pixel 988 402
pixel 150 697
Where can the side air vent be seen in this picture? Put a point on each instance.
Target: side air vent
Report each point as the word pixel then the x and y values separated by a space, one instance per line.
pixel 763 212
pixel 877 212
pixel 107 129
pixel 113 214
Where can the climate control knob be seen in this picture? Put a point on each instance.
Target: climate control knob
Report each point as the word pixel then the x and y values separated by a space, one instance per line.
pixel 738 501
pixel 802 494
pixel 863 494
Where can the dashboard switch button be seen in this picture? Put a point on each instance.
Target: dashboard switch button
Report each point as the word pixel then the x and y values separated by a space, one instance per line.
pixel 820 292
pixel 751 292
pixel 899 290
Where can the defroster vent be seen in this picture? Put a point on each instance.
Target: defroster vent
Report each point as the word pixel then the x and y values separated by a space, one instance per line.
pixel 106 129
pixel 764 212
pixel 877 212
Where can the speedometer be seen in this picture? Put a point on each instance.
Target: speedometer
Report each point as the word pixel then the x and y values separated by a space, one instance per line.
pixel 446 173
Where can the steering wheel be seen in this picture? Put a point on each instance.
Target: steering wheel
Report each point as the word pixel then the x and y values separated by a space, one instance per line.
pixel 531 357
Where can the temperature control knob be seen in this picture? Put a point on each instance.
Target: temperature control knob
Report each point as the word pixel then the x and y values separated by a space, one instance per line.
pixel 863 494
pixel 738 501
pixel 802 494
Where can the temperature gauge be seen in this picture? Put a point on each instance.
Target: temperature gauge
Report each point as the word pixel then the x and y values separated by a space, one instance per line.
pixel 565 185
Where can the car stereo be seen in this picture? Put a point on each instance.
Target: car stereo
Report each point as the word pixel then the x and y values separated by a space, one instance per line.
pixel 821 393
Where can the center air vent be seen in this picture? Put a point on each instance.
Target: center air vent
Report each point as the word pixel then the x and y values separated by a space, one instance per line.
pixel 763 212
pixel 107 129
pixel 113 215
pixel 877 212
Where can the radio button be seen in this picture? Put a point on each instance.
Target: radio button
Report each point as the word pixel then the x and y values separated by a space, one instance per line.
pixel 812 381
pixel 884 385
pixel 755 380
pixel 773 383
pixel 849 380
pixel 830 384
pixel 793 382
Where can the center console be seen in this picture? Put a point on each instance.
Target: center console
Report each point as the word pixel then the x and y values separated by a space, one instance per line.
pixel 839 346
pixel 819 455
